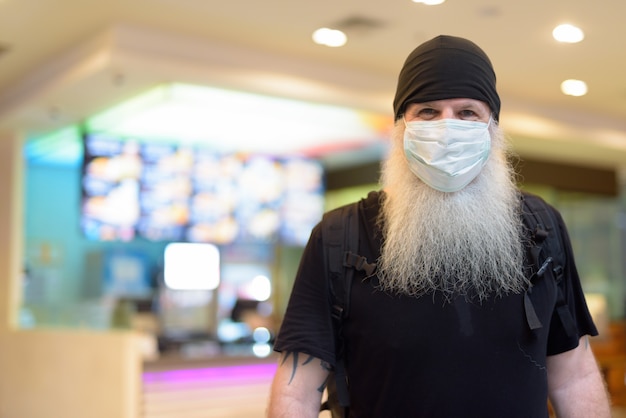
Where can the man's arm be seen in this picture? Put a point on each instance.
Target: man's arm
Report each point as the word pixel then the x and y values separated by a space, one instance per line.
pixel 298 385
pixel 575 385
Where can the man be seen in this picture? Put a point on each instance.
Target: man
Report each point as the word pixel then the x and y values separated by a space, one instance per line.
pixel 440 329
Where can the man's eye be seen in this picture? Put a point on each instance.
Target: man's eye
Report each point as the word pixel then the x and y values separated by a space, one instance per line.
pixel 468 114
pixel 427 112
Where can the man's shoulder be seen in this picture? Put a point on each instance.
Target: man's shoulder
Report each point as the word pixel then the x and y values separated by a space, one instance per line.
pixel 373 199
pixel 536 210
pixel 536 202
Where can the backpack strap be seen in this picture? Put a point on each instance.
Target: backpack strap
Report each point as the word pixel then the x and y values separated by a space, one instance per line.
pixel 340 237
pixel 546 251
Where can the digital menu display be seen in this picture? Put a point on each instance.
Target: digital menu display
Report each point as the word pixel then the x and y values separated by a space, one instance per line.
pixel 165 191
pixel 110 188
pixel 171 192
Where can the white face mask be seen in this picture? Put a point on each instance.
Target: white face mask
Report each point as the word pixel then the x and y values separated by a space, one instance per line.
pixel 447 154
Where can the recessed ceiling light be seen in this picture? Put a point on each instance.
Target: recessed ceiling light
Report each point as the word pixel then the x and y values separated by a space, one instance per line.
pixel 329 37
pixel 429 2
pixel 568 33
pixel 574 87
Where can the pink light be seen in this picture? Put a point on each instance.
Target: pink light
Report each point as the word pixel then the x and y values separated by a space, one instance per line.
pixel 213 374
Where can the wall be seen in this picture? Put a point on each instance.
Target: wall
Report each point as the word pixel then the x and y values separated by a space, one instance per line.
pixel 65 272
pixel 51 232
pixel 54 373
pixel 69 374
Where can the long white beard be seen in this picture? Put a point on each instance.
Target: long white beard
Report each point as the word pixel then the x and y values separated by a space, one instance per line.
pixel 463 243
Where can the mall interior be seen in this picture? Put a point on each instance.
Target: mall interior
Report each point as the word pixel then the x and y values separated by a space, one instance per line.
pixel 162 167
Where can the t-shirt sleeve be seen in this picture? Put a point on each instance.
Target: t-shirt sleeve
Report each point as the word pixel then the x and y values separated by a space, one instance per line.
pixel 559 340
pixel 307 324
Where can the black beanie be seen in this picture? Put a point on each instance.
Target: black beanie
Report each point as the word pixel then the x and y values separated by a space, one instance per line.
pixel 446 67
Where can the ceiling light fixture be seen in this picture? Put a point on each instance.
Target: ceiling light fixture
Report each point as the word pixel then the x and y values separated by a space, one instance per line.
pixel 206 115
pixel 329 37
pixel 568 33
pixel 574 87
pixel 429 2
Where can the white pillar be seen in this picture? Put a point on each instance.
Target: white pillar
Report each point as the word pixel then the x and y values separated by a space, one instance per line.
pixel 11 227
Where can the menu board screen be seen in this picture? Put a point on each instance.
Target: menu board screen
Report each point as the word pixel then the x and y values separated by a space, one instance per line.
pixel 165 191
pixel 170 192
pixel 110 180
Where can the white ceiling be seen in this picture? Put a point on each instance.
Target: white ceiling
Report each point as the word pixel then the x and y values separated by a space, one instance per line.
pixel 65 60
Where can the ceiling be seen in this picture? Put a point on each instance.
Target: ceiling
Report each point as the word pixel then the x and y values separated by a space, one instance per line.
pixel 62 61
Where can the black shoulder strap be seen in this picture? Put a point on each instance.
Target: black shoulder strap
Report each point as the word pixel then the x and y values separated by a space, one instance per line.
pixel 340 237
pixel 340 234
pixel 546 251
pixel 541 221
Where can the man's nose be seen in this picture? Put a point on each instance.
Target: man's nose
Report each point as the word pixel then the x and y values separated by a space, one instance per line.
pixel 447 113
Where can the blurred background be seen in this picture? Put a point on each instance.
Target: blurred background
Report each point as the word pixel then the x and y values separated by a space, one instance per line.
pixel 163 162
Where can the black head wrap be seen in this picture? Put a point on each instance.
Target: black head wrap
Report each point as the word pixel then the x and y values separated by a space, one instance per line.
pixel 446 67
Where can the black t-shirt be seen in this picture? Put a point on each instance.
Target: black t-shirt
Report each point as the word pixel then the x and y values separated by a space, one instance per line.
pixel 425 357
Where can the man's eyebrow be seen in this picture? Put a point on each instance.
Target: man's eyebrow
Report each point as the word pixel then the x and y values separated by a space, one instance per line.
pixel 424 104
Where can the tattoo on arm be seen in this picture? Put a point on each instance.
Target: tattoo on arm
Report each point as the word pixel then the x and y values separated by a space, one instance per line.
pixel 295 362
pixel 328 368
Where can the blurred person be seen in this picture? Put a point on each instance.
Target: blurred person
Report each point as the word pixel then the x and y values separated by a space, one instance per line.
pixel 441 327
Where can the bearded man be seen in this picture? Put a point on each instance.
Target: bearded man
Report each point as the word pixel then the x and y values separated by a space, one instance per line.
pixel 440 328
